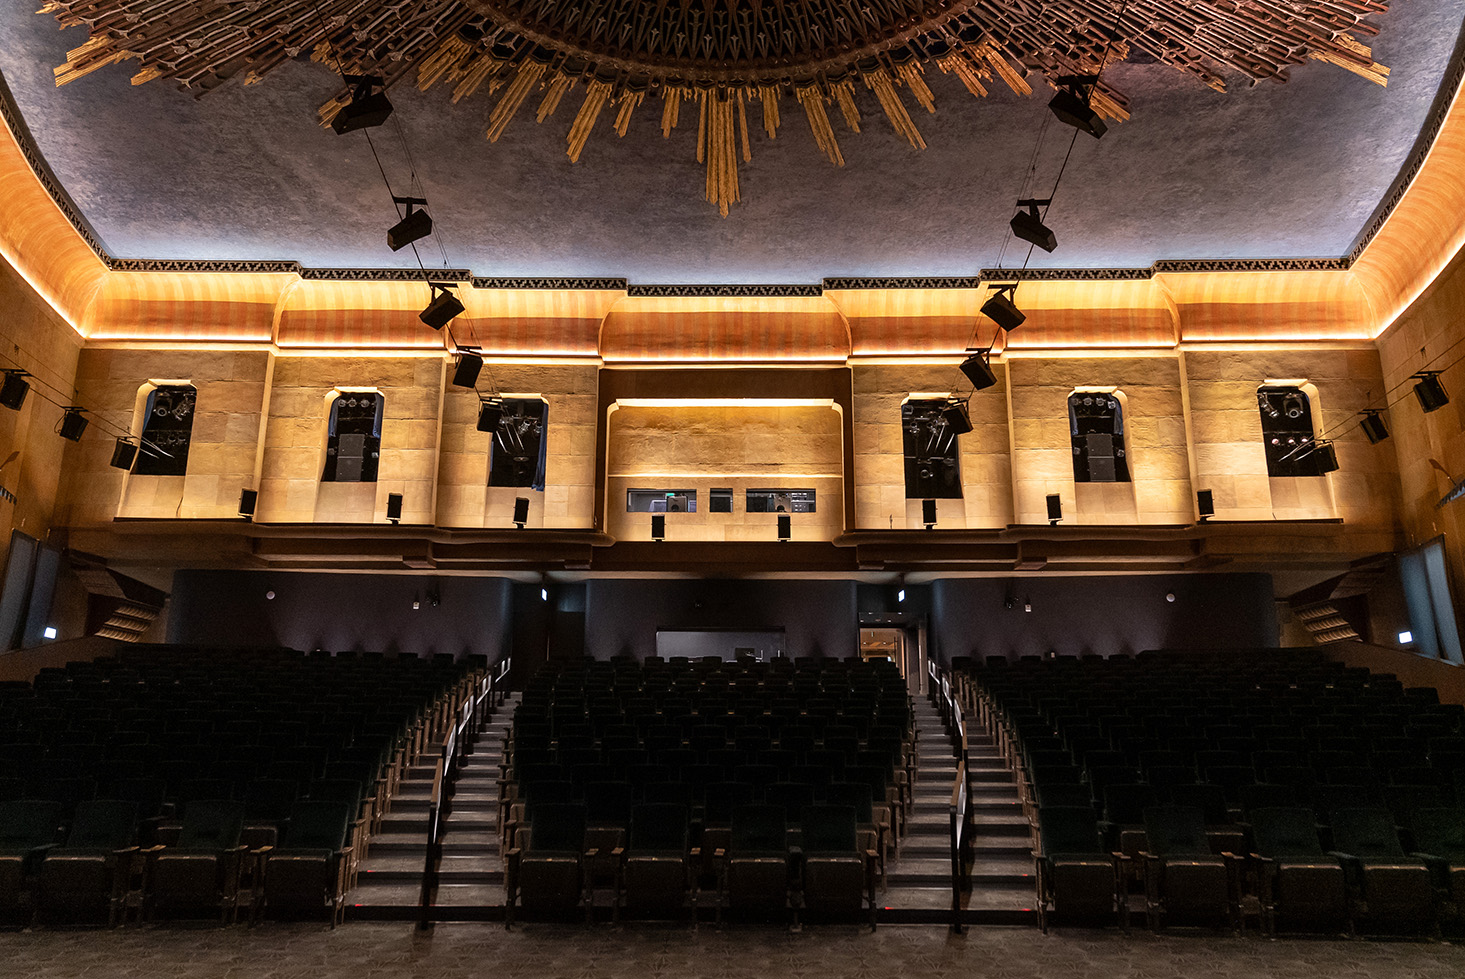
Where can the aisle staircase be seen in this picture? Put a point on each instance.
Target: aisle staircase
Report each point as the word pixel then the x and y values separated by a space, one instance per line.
pixel 471 875
pixel 919 879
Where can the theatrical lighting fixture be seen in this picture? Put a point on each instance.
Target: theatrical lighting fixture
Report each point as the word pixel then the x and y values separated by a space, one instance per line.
pixel 1293 406
pixel 1001 309
pixel 978 370
pixel 465 371
pixel 928 513
pixel 1430 392
pixel 417 224
pixel 1374 426
pixel 123 454
pixel 490 412
pixel 14 390
pixel 1073 109
pixel 366 109
pixel 958 418
pixel 73 423
pixel 1265 403
pixel 1028 226
pixel 521 512
pixel 444 306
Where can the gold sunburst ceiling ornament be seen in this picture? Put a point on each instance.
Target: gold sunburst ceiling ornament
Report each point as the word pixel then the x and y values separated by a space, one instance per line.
pixel 720 56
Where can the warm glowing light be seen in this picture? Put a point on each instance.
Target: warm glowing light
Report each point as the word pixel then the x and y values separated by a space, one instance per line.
pixel 1406 637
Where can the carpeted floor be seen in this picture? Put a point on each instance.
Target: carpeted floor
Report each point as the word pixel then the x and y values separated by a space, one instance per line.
pixel 483 951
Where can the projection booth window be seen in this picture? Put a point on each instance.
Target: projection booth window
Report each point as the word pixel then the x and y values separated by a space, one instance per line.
pixel 932 468
pixel 1287 431
pixel 519 443
pixel 780 501
pixel 167 430
pixel 354 437
pixel 661 501
pixel 1096 429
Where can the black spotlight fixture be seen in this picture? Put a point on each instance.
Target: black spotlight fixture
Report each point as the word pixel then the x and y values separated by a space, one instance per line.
pixel 658 526
pixel 1073 109
pixel 394 507
pixel 928 513
pixel 465 371
pixel 444 306
pixel 1028 226
pixel 417 224
pixel 123 454
pixel 1001 309
pixel 1430 392
pixel 1055 509
pixel 14 389
pixel 368 107
pixel 978 370
pixel 1374 426
pixel 785 527
pixel 958 418
pixel 248 499
pixel 73 423
pixel 490 412
pixel 521 511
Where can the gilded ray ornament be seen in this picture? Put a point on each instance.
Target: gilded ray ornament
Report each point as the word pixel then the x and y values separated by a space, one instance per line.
pixel 717 55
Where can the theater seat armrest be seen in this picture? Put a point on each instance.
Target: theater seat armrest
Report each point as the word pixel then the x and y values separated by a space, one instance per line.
pixel 1343 856
pixel 264 849
pixel 695 852
pixel 515 852
pixel 1428 858
pixel 719 853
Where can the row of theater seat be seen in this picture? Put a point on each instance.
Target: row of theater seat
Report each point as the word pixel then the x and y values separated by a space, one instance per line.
pixel 175 743
pixel 1193 772
pixel 711 739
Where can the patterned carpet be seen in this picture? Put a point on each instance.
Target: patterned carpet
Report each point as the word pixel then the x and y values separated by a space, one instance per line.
pixel 363 950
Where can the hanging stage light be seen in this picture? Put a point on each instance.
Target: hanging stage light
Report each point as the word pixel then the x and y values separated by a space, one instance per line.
pixel 1374 426
pixel 73 423
pixel 958 418
pixel 1072 109
pixel 1028 226
pixel 14 390
pixel 978 370
pixel 444 306
pixel 1001 309
pixel 367 109
pixel 417 224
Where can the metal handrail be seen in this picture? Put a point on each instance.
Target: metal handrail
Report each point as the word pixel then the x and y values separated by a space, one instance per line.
pixel 948 704
pixel 470 718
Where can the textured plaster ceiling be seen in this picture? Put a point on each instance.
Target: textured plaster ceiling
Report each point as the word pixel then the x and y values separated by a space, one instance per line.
pixel 1274 171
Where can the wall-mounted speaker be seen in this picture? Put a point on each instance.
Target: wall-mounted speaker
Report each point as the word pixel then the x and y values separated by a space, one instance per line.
pixel 658 526
pixel 394 507
pixel 247 500
pixel 521 512
pixel 1055 508
pixel 1205 503
pixel 1374 426
pixel 928 513
pixel 73 423
pixel 489 413
pixel 785 526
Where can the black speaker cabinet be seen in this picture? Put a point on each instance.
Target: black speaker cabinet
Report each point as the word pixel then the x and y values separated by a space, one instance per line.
pixel 928 512
pixel 1205 502
pixel 521 511
pixel 394 506
pixel 658 526
pixel 247 500
pixel 1055 507
pixel 465 374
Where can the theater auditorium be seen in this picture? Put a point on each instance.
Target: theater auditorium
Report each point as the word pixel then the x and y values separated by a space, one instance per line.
pixel 732 486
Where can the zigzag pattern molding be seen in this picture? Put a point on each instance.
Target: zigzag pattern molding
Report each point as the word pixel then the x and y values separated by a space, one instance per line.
pixel 731 291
